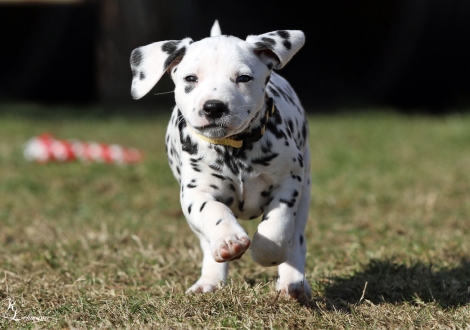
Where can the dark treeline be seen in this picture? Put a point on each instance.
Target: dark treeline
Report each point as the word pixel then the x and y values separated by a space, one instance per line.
pixel 412 55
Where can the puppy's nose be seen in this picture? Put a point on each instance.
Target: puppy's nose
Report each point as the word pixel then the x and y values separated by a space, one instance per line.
pixel 214 109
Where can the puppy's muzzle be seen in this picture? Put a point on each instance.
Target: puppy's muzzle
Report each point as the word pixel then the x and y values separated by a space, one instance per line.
pixel 214 109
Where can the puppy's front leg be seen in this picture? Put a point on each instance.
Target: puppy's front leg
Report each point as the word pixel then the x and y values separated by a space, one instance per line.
pixel 222 237
pixel 212 272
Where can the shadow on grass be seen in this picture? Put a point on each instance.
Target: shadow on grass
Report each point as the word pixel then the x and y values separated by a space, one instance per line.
pixel 390 282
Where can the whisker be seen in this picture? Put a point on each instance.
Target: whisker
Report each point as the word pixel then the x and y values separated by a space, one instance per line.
pixel 164 93
pixel 245 106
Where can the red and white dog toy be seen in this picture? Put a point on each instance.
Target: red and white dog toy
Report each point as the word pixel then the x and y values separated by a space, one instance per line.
pixel 46 148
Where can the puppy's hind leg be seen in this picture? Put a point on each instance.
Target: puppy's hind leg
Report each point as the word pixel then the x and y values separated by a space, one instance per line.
pixel 292 279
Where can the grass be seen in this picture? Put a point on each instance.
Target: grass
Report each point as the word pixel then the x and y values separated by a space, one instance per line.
pixel 99 246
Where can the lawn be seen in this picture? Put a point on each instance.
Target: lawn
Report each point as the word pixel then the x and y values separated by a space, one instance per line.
pixel 94 245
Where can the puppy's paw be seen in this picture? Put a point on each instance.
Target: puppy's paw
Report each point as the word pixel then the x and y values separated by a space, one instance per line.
pixel 201 287
pixel 230 247
pixel 297 290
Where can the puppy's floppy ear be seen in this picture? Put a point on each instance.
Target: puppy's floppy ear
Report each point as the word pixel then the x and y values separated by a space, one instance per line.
pixel 149 63
pixel 282 45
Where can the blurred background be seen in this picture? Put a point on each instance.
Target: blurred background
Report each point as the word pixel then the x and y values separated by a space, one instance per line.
pixel 409 55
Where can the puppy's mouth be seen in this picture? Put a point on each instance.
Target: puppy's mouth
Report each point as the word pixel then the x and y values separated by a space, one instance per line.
pixel 213 130
pixel 223 128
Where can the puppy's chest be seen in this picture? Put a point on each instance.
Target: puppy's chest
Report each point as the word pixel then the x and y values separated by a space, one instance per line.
pixel 236 182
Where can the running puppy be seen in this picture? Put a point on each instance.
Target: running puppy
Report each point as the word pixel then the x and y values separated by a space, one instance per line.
pixel 237 143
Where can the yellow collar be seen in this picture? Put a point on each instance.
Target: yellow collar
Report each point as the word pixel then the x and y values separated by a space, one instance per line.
pixel 234 141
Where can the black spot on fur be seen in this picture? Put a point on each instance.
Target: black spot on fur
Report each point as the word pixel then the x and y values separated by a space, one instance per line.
pixel 218 221
pixel 142 76
pixel 270 41
pixel 216 167
pixel 195 168
pixel 232 187
pixel 267 80
pixel 296 177
pixel 218 176
pixel 283 34
pixel 229 201
pixel 278 91
pixel 304 131
pixel 274 91
pixel 290 203
pixel 188 88
pixel 241 206
pixel 190 185
pixel 288 97
pixel 301 239
pixel 219 198
pixel 187 144
pixel 231 163
pixel 170 47
pixel 295 194
pixel 202 206
pixel 301 160
pixel 266 147
pixel 190 208
pixel 213 186
pixel 287 44
pixel 220 152
pixel 265 160
pixel 265 193
pixel 291 125
pixel 136 57
pixel 173 56
pixel 263 45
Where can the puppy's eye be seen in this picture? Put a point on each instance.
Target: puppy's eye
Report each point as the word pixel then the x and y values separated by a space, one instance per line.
pixel 190 79
pixel 244 79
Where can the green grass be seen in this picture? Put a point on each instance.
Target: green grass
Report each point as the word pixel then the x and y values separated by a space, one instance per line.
pixel 105 246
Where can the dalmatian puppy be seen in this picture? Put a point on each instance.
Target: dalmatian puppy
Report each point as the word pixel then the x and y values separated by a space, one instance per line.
pixel 237 143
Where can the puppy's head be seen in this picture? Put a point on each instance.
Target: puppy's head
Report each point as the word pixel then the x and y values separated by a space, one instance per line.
pixel 219 81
